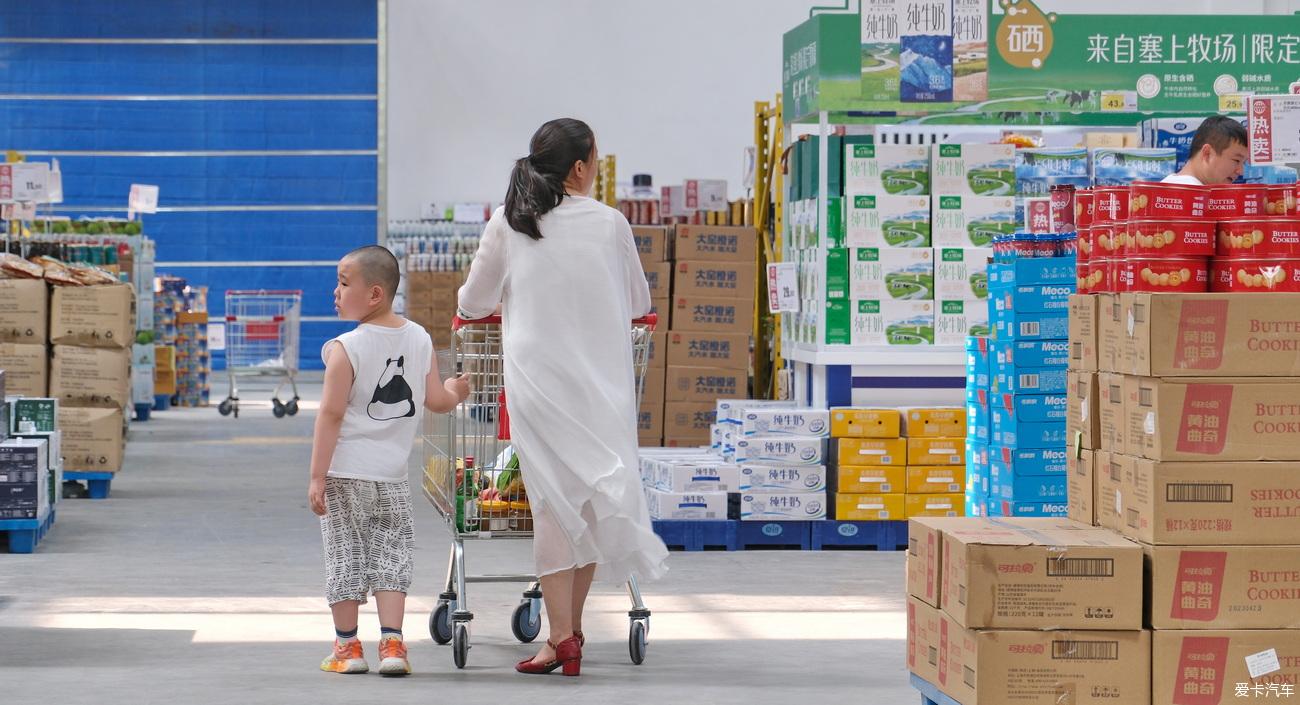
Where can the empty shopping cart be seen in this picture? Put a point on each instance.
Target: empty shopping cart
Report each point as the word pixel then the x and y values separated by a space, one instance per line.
pixel 262 341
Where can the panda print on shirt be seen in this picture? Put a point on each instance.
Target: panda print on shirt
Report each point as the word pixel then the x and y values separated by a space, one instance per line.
pixel 393 398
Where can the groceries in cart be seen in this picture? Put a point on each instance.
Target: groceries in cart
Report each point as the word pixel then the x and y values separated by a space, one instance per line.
pixel 485 499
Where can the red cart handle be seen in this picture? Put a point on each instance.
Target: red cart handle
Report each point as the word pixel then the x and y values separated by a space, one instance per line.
pixel 650 320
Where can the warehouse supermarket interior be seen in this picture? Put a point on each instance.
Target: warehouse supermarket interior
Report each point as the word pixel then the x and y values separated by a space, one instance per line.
pixel 710 351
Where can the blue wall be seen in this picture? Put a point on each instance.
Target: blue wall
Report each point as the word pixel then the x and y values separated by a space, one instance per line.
pixel 69 100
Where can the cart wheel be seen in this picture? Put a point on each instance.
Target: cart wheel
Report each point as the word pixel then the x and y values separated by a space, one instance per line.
pixel 527 623
pixel 440 623
pixel 636 642
pixel 277 408
pixel 236 407
pixel 460 643
pixel 292 407
pixel 225 407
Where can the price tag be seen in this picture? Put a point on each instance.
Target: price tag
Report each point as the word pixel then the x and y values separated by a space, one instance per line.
pixel 1119 101
pixel 782 287
pixel 1232 103
pixel 216 336
pixel 6 182
pixel 143 199
pixel 18 211
pixel 1263 663
pixel 468 213
pixel 31 182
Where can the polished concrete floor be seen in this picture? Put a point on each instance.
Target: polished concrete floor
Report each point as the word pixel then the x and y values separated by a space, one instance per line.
pixel 200 581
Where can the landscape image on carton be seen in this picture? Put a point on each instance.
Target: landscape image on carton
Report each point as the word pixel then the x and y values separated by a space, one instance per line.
pixel 974 170
pixel 954 321
pixel 905 274
pixel 893 322
pixel 961 273
pixel 898 170
pixel 970 50
pixel 886 221
pixel 972 221
pixel 1121 167
pixel 879 23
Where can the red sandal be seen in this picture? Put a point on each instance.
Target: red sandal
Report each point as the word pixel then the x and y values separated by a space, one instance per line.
pixel 568 657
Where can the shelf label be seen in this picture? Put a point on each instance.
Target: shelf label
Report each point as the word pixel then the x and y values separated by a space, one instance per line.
pixel 143 199
pixel 1118 101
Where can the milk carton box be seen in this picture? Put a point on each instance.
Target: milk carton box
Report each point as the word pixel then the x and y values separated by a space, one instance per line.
pixel 891 273
pixel 780 451
pixel 961 273
pixel 956 320
pixel 971 221
pixel 782 478
pixel 1121 167
pixel 892 169
pixel 872 220
pixel 686 505
pixel 767 423
pixel 978 170
pixel 782 506
pixel 877 322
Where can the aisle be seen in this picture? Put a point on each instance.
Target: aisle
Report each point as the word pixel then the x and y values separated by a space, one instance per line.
pixel 200 580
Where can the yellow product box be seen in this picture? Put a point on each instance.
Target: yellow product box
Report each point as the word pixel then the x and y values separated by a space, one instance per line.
pixel 871 451
pixel 936 505
pixel 935 422
pixel 936 479
pixel 936 451
pixel 870 507
pixel 870 479
pixel 866 423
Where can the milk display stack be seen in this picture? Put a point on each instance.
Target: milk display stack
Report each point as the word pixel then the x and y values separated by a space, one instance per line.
pixel 1191 446
pixel 781 453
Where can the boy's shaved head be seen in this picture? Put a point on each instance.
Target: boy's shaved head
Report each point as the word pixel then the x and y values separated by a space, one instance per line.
pixel 378 267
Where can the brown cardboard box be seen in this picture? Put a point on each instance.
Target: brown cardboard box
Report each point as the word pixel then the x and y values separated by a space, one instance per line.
pixel 866 423
pixel 90 376
pixel 934 422
pixel 1111 333
pixel 936 479
pixel 869 507
pixel 1083 332
pixel 689 420
pixel 1133 425
pixel 1083 420
pixel 1045 667
pixel 1192 419
pixel 936 451
pixel 27 369
pixel 1208 503
pixel 868 479
pixel 704 384
pixel 715 243
pixel 1030 579
pixel 93 316
pixel 730 280
pixel 92 438
pixel 1228 587
pixel 1210 667
pixel 1214 335
pixel 649 441
pixel 925 554
pixel 652 243
pixel 923 640
pixel 936 505
pixel 663 308
pixel 659 276
pixel 1108 481
pixel 659 347
pixel 712 315
pixel 164 382
pixel 24 311
pixel 871 451
pixel 650 420
pixel 653 389
pixel 1112 419
pixel 1081 486
pixel 722 350
pixel 164 357
pixel 433 290
pixel 686 442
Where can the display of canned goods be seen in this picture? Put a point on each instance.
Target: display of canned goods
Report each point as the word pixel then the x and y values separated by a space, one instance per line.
pixel 1259 237
pixel 1170 238
pixel 1083 208
pixel 1165 274
pixel 1151 200
pixel 1236 201
pixel 1110 204
pixel 1256 275
pixel 1091 275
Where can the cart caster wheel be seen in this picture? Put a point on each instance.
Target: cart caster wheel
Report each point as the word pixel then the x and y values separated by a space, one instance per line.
pixel 74 490
pixel 278 408
pixel 291 408
pixel 440 623
pixel 636 643
pixel 527 623
pixel 225 407
pixel 460 643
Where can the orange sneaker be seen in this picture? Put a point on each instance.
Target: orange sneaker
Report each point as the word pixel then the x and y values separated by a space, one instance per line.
pixel 392 654
pixel 347 658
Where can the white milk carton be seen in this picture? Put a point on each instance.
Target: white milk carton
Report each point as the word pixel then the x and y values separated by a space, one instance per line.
pixel 971 221
pixel 961 273
pixel 777 478
pixel 889 273
pixel 780 451
pixel 893 169
pixel 973 170
pixel 954 321
pixel 698 477
pixel 873 220
pixel 686 505
pixel 767 423
pixel 877 322
pixel 782 506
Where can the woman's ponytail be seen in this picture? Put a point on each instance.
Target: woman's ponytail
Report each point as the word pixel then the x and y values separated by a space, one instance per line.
pixel 537 180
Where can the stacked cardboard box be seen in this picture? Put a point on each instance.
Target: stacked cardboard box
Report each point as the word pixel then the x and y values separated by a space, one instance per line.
pixel 431 302
pixel 1029 301
pixel 712 319
pixel 24 334
pixel 31 465
pixel 1034 611
pixel 653 245
pixel 891 464
pixel 164 371
pixel 687 484
pixel 780 450
pixel 1194 454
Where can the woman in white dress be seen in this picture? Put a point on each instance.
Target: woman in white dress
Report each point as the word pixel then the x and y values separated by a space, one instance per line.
pixel 565 272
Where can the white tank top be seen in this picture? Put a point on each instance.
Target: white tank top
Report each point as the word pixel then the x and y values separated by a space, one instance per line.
pixel 386 403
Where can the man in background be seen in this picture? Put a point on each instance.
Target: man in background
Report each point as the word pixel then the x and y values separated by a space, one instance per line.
pixel 1219 151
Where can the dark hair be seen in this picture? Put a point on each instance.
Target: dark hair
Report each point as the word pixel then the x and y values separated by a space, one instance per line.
pixel 1220 132
pixel 378 266
pixel 537 181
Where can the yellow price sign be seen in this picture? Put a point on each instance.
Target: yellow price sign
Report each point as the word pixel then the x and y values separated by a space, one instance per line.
pixel 1232 103
pixel 1116 102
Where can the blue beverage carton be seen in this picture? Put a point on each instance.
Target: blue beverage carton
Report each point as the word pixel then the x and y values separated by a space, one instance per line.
pixel 979 365
pixel 1123 166
pixel 1010 433
pixel 1035 270
pixel 978 422
pixel 1012 325
pixel 1035 408
pixel 1037 170
pixel 1032 353
pixel 1034 298
pixel 977 482
pixel 1004 508
pixel 1030 380
pixel 1004 485
pixel 1031 461
pixel 977 506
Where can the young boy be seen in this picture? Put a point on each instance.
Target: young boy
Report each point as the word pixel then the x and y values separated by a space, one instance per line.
pixel 377 378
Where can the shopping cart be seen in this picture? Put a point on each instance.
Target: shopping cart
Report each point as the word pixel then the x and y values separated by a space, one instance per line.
pixel 474 443
pixel 262 341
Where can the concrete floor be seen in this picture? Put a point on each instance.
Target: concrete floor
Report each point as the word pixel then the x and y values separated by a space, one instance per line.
pixel 200 580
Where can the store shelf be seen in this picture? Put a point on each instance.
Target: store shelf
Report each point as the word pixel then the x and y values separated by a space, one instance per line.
pixel 876 355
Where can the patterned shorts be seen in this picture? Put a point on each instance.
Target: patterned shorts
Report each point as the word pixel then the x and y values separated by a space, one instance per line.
pixel 369 538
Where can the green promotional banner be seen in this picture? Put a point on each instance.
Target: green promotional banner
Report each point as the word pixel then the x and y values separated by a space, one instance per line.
pixel 960 57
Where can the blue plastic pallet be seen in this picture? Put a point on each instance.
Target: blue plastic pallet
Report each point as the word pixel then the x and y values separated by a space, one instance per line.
pixel 25 534
pixel 930 694
pixel 698 535
pixel 873 535
pixel 161 402
pixel 775 534
pixel 142 411
pixel 98 483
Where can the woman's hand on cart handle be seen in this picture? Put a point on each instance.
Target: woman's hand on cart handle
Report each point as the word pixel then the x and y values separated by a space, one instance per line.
pixel 458 386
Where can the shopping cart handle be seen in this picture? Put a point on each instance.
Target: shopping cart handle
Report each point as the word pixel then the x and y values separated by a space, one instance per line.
pixel 650 320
